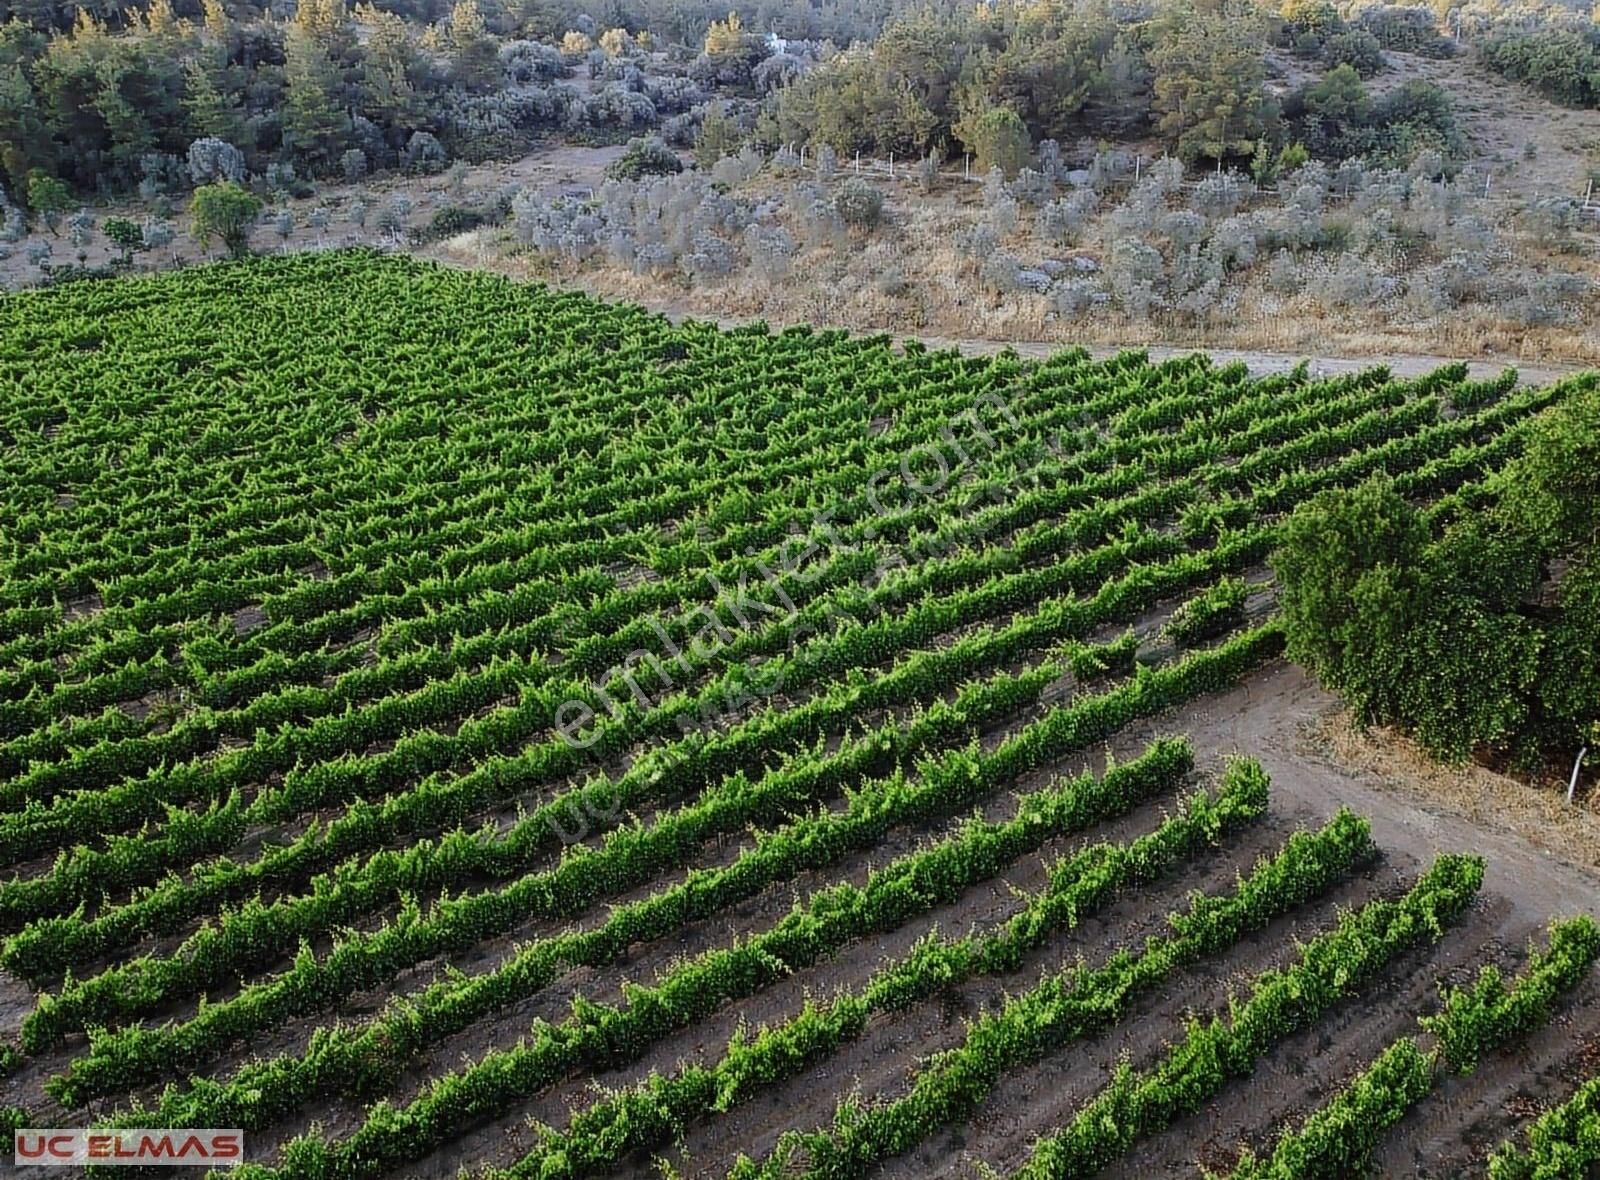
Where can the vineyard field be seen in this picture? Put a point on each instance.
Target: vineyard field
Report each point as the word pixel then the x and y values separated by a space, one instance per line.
pixel 451 725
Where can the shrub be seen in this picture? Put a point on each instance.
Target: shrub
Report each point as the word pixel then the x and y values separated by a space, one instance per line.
pixel 710 257
pixel 1283 273
pixel 770 249
pixel 280 178
pixel 392 217
pixel 1547 299
pixel 227 212
pixel 1219 195
pixel 157 233
pixel 1562 63
pixel 1356 48
pixel 425 154
pixel 997 137
pixel 645 156
pixel 1033 187
pixel 125 235
pixel 1406 28
pixel 450 221
pixel 827 163
pixel 526 62
pixel 1424 107
pixel 1063 221
pixel 13 226
pixel 1549 221
pixel 1182 229
pixel 859 204
pixel 778 71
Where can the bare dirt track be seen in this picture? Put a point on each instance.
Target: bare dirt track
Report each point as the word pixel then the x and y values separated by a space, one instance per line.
pixel 1259 362
pixel 1282 718
pixel 1400 364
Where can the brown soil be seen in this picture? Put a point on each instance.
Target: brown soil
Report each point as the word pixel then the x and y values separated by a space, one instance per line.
pixel 1286 722
pixel 1541 859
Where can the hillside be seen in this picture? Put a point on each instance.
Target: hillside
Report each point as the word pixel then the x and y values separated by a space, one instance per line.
pixel 451 723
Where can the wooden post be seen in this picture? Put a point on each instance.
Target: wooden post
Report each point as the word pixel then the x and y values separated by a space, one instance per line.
pixel 891 165
pixel 966 167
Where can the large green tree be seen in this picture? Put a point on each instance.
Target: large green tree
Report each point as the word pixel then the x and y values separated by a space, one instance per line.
pixel 25 142
pixel 315 125
pixel 1347 571
pixel 1486 636
pixel 852 105
pixel 1050 67
pixel 1209 77
pixel 224 212
pixel 997 138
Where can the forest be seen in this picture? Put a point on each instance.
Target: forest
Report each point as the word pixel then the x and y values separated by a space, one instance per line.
pixel 112 99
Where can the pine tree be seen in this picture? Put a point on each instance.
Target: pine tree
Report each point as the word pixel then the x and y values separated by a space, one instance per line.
pixel 1210 95
pixel 209 113
pixel 218 25
pixel 25 142
pixel 388 55
pixel 314 124
pixel 719 136
pixel 473 59
pixel 324 19
pixel 160 20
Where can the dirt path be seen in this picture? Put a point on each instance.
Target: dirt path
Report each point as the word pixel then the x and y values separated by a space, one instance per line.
pixel 1401 365
pixel 1279 717
pixel 1405 365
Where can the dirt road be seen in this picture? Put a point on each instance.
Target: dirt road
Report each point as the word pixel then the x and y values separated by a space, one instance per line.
pixel 1400 364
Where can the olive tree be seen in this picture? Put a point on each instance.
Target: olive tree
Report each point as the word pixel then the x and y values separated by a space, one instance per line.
pixel 226 212
pixel 860 205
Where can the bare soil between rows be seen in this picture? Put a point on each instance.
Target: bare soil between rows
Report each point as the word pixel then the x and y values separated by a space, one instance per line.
pixel 1541 863
pixel 1284 720
pixel 1281 718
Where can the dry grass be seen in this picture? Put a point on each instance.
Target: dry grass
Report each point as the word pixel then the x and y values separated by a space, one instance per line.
pixel 910 278
pixel 1501 119
pixel 1538 814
